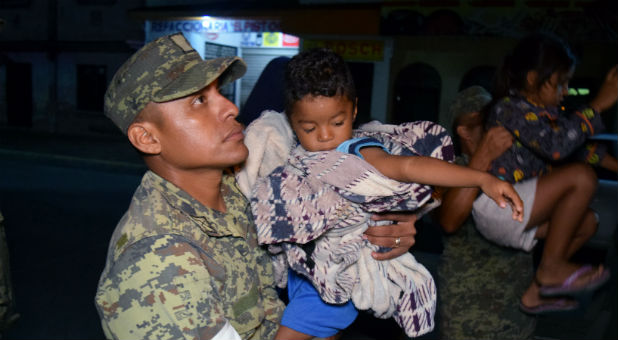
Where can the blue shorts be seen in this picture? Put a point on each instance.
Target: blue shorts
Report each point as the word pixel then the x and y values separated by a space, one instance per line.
pixel 309 314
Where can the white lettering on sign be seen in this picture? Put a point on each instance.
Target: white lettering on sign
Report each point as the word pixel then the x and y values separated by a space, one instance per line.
pixel 211 25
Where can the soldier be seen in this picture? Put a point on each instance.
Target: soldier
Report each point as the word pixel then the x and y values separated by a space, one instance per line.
pixel 184 259
pixel 7 302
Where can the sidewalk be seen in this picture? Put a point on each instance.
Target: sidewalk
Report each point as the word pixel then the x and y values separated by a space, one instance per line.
pixel 106 152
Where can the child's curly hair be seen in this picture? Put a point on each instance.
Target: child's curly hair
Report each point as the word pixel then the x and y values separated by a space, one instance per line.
pixel 317 72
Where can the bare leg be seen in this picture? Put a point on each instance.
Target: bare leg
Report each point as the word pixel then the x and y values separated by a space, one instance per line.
pixel 562 197
pixel 587 228
pixel 531 296
pixel 286 333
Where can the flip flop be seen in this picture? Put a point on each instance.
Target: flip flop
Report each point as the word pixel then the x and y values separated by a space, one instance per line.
pixel 567 287
pixel 560 305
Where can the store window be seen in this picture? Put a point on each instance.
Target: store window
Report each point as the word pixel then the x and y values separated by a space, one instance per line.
pixel 257 41
pixel 212 51
pixel 417 94
pixel 91 85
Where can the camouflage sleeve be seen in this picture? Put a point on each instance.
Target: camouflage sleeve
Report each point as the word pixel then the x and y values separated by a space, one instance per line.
pixel 161 288
pixel 273 306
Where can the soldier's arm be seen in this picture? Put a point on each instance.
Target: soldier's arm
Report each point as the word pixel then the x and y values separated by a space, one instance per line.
pixel 160 288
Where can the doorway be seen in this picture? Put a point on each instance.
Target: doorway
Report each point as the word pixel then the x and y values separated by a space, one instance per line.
pixel 19 94
pixel 417 94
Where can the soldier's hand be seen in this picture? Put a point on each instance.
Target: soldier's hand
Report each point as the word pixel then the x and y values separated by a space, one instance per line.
pixel 399 235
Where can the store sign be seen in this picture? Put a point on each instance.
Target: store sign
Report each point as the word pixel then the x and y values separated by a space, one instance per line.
pixel 214 25
pixel 367 50
pixel 290 41
pixel 271 39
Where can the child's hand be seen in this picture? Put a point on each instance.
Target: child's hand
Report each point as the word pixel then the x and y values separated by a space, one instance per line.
pixel 504 194
pixel 608 93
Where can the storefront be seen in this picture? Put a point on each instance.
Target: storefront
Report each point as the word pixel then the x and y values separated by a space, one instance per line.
pixel 256 41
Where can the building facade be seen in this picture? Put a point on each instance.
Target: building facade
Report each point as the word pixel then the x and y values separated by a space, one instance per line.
pixel 409 58
pixel 56 59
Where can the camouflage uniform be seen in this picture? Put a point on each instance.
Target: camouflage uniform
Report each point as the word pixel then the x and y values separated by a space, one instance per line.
pixel 177 269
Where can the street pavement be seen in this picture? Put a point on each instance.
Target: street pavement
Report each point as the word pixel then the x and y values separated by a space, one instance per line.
pixel 61 197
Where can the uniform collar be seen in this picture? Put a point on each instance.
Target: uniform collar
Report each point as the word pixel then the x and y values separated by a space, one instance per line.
pixel 211 221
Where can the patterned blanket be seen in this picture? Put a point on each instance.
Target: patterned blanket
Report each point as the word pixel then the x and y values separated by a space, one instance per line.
pixel 312 212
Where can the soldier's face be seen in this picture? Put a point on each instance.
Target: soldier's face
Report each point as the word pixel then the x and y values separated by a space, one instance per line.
pixel 201 131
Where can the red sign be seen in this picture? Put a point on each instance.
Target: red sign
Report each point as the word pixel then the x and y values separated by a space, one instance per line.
pixel 290 40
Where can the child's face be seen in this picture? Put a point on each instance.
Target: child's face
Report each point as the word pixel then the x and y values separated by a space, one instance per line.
pixel 200 131
pixel 553 91
pixel 322 123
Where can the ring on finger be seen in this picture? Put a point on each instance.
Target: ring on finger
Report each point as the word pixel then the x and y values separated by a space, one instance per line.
pixel 397 242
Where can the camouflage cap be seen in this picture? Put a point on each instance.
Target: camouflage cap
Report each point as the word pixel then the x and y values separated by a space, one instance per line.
pixel 472 99
pixel 165 69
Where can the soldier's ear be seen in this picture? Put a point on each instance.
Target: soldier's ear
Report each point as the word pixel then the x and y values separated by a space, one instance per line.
pixel 143 136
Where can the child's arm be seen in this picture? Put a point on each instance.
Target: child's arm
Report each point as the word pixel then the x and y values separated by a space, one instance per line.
pixel 608 93
pixel 433 171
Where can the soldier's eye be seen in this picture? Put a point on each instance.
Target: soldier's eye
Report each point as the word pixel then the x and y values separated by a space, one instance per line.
pixel 199 100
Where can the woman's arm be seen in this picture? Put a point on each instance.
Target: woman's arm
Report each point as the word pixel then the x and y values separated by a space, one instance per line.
pixel 608 93
pixel 609 162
